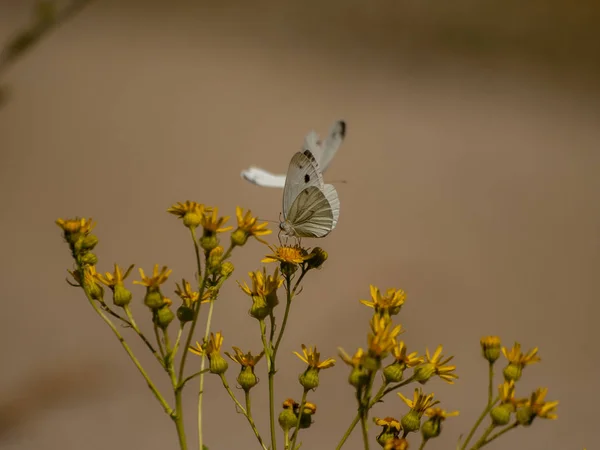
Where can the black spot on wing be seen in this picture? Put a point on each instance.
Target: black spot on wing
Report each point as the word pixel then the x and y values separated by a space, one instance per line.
pixel 306 178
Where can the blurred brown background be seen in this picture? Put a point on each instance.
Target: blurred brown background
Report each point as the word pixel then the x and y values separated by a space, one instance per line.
pixel 472 166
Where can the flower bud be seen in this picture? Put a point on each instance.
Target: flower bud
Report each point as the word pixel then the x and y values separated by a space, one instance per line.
pixel 209 241
pixel 239 237
pixel 500 414
pixel 310 378
pixel 89 242
pixel 96 291
pixel 358 377
pixel 431 429
pixel 185 314
pixel 192 219
pixel 287 419
pixel 153 299
pixel 512 372
pixel 226 269
pixel 89 259
pixel 424 372
pixel 247 379
pixel 411 422
pixel 490 348
pixel 525 415
pixel 307 413
pixel 259 310
pixel 121 295
pixel 288 269
pixel 214 260
pixel 394 372
pixel 218 364
pixel 163 317
pixel 317 257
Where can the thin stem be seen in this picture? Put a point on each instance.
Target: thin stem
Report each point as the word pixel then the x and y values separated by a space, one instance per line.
pixel 300 411
pixel 365 432
pixel 178 418
pixel 286 438
pixel 126 347
pixel 478 422
pixel 490 382
pixel 190 377
pixel 202 373
pixel 348 431
pixel 288 304
pixel 423 443
pixel 391 389
pixel 268 348
pixel 500 433
pixel 135 328
pixel 159 342
pixel 483 437
pixel 244 411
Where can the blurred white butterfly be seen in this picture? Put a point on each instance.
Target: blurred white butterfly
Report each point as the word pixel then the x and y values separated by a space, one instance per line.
pixel 322 151
pixel 310 207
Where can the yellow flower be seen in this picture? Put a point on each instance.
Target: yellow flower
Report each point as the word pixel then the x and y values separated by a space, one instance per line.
pixel 411 360
pixel 439 413
pixel 77 225
pixel 262 284
pixel 515 356
pixel 436 365
pixel 94 289
pixel 382 339
pixel 245 360
pixel 190 212
pixel 113 279
pixel 156 279
pixel 248 226
pixel 420 402
pixel 312 358
pixel 212 350
pixel 212 223
pixel 389 422
pixel 507 395
pixel 389 304
pixel 540 407
pixel 287 254
pixel 396 444
pixel 186 294
pixel 490 347
pixel 354 361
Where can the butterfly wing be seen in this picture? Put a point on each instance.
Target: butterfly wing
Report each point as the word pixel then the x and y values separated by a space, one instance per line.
pixel 334 202
pixel 311 214
pixel 331 145
pixel 263 178
pixel 303 172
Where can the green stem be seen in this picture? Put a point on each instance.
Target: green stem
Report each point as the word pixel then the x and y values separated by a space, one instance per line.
pixel 423 443
pixel 135 328
pixel 178 416
pixel 348 431
pixel 202 364
pixel 268 348
pixel 391 389
pixel 286 314
pixel 188 378
pixel 159 342
pixel 286 438
pixel 483 437
pixel 500 433
pixel 490 382
pixel 245 411
pixel 365 431
pixel 127 349
pixel 483 415
pixel 300 411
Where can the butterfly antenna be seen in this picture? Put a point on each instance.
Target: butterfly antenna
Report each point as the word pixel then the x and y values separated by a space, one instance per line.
pixel 339 181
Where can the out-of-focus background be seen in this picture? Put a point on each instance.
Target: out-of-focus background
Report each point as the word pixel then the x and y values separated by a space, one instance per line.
pixel 471 163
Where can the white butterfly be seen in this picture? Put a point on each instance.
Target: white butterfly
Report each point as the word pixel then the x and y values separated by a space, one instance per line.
pixel 310 207
pixel 322 151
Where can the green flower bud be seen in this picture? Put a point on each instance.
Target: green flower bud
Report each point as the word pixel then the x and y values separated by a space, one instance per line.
pixel 163 317
pixel 96 291
pixel 226 269
pixel 318 257
pixel 411 422
pixel 424 372
pixel 247 378
pixel 239 237
pixel 153 299
pixel 394 372
pixel 209 241
pixel 525 416
pixel 192 219
pixel 358 377
pixel 310 378
pixel 218 365
pixel 259 310
pixel 431 429
pixel 306 416
pixel 185 314
pixel 121 295
pixel 490 348
pixel 89 242
pixel 214 260
pixel 512 372
pixel 287 419
pixel 500 414
pixel 288 269
pixel 89 259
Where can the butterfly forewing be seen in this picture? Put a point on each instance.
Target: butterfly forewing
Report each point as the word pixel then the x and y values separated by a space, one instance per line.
pixel 331 145
pixel 302 173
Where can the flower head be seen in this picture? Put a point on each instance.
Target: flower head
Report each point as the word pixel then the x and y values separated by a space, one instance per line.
pixel 540 407
pixel 400 356
pixel 245 360
pixel 263 292
pixel 433 427
pixel 157 278
pixel 212 350
pixel 439 413
pixel 507 395
pixel 390 429
pixel 490 348
pixel 212 223
pixel 382 338
pixel 248 226
pixel 312 358
pixel 388 304
pixel 77 225
pixel 287 254
pixel 90 284
pixel 396 444
pixel 190 212
pixel 114 279
pixel 420 402
pixel 517 361
pixel 436 365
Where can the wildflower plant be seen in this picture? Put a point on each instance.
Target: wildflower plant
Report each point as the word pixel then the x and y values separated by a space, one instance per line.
pixel 384 365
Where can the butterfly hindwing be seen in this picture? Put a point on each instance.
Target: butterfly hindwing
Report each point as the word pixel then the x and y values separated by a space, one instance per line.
pixel 261 177
pixel 310 214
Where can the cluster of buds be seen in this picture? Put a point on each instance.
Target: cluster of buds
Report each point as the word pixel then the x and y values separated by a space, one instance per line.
pixel 288 418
